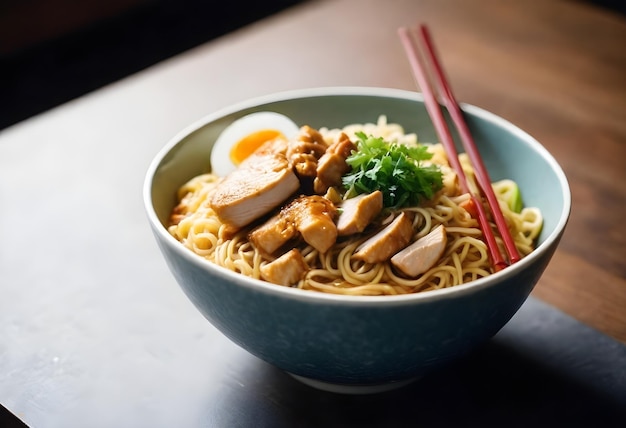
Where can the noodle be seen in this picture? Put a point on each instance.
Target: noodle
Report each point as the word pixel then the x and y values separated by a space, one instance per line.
pixel 196 225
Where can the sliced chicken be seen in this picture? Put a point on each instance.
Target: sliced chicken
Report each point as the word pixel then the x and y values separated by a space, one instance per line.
pixel 273 234
pixel 316 221
pixel 286 270
pixel 261 183
pixel 423 254
pixel 311 217
pixel 332 165
pixel 380 247
pixel 358 212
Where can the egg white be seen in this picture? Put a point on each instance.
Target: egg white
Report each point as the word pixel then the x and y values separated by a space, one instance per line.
pixel 221 163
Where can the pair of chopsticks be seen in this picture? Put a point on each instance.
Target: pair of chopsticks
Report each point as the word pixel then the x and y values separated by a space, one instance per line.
pixel 414 40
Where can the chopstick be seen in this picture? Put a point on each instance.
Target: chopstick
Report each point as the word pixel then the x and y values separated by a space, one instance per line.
pixel 408 38
pixel 482 175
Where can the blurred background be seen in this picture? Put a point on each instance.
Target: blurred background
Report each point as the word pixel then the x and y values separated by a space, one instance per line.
pixel 52 51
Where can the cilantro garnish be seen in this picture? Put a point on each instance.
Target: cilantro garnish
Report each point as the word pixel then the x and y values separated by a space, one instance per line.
pixel 392 168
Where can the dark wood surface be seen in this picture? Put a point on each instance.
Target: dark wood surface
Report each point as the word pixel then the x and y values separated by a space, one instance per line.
pixel 52 51
pixel 94 328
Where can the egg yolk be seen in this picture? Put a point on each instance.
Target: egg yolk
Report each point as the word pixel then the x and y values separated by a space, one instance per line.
pixel 248 144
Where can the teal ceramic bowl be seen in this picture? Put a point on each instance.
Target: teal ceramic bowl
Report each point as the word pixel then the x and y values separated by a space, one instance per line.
pixel 365 343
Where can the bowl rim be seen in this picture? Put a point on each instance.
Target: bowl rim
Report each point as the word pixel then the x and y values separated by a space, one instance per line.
pixel 313 296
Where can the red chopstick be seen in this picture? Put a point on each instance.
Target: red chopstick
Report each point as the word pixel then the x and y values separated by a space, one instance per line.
pixel 484 181
pixel 434 110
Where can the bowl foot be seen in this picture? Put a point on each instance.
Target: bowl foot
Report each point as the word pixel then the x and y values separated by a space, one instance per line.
pixel 341 388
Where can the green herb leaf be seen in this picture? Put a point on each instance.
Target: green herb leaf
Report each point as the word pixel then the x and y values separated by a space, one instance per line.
pixel 394 169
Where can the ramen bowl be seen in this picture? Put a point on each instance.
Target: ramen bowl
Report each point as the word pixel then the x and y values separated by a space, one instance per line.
pixel 358 344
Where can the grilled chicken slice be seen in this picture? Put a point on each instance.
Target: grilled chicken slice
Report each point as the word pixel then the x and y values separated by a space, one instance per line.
pixel 311 217
pixel 380 247
pixel 315 221
pixel 420 256
pixel 332 165
pixel 273 234
pixel 261 183
pixel 286 270
pixel 358 212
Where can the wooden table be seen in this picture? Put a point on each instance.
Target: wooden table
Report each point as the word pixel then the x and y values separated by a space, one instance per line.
pixel 95 332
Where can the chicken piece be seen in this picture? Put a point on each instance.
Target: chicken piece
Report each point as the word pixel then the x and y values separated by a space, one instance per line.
pixel 312 217
pixel 358 212
pixel 315 221
pixel 261 183
pixel 332 165
pixel 273 234
pixel 305 150
pixel 387 242
pixel 286 270
pixel 420 256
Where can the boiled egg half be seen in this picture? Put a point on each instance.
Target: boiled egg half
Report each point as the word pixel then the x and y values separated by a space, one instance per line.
pixel 246 134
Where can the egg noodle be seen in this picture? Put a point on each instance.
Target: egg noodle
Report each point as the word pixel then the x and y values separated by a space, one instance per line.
pixel 465 259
